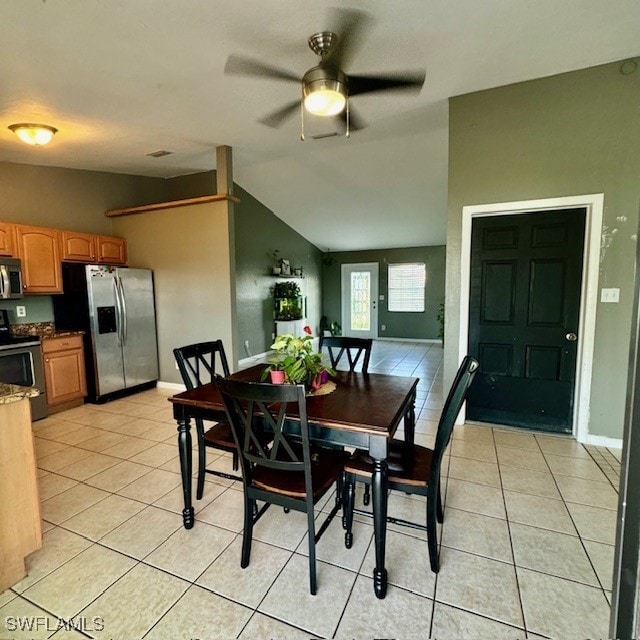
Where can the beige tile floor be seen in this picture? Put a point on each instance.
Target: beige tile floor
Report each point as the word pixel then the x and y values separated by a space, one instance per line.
pixel 527 541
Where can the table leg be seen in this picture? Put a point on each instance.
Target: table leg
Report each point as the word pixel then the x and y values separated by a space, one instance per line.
pixel 379 494
pixel 184 450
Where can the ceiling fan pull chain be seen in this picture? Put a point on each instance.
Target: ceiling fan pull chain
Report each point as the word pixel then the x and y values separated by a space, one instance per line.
pixel 348 132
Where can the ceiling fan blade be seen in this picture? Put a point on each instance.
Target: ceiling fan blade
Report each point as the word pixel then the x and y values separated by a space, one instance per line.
pixel 355 121
pixel 370 84
pixel 278 118
pixel 350 25
pixel 241 66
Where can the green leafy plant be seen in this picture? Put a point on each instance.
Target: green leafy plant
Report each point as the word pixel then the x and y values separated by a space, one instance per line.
pixel 441 322
pixel 277 261
pixel 295 356
pixel 288 301
pixel 286 289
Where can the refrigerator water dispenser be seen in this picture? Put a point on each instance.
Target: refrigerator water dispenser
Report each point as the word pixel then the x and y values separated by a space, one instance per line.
pixel 106 319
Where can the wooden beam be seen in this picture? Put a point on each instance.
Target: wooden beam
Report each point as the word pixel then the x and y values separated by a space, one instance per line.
pixel 158 206
pixel 224 170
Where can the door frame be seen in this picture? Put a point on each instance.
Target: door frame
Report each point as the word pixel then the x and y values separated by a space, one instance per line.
pixel 374 267
pixel 594 205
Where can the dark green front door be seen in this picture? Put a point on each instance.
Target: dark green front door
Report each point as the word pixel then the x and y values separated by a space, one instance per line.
pixel 526 274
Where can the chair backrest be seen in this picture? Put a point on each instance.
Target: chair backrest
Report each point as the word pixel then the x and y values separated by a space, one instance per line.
pixel 197 362
pixel 353 347
pixel 253 407
pixel 453 404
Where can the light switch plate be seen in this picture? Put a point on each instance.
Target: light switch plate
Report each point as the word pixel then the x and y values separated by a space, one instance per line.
pixel 610 295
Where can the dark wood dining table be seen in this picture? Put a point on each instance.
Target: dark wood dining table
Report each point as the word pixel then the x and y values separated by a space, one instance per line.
pixel 364 411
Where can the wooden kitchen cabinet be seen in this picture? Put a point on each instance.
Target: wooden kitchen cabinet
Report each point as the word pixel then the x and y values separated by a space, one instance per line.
pixel 111 250
pixel 78 247
pixel 21 530
pixel 7 244
pixel 64 372
pixel 39 250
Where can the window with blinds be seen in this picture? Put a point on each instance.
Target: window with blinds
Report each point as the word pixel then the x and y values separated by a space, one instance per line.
pixel 406 286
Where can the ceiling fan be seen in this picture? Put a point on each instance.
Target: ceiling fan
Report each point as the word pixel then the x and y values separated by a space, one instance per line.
pixel 326 89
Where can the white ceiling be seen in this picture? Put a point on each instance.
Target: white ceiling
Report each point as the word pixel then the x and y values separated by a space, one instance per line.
pixel 123 78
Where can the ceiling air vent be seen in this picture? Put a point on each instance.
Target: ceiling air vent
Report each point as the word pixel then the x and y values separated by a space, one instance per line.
pixel 159 154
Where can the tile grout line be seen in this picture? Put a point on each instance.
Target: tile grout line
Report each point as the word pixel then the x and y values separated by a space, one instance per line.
pixel 508 521
pixel 580 538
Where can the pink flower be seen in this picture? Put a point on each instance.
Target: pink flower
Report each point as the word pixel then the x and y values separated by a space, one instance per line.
pixel 307 330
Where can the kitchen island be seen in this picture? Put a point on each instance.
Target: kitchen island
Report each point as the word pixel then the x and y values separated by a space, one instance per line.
pixel 20 529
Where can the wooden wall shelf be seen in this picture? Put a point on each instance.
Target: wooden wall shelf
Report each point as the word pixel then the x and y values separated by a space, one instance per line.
pixel 158 206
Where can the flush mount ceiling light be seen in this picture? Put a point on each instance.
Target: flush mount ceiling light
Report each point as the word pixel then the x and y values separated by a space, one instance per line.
pixel 33 134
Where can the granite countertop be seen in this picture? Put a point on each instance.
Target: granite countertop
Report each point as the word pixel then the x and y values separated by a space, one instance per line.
pixel 61 334
pixel 42 330
pixel 13 392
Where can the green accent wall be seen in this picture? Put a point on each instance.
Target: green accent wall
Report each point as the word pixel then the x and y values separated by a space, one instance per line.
pixel 71 198
pixel 67 199
pixel 39 309
pixel 570 134
pixel 398 324
pixel 257 233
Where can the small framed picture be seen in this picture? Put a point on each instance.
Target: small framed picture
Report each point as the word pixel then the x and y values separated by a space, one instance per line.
pixel 286 268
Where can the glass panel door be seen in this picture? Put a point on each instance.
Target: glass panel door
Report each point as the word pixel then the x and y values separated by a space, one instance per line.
pixel 360 311
pixel 359 300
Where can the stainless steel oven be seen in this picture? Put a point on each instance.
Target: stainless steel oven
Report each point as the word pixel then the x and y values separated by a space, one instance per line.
pixel 21 363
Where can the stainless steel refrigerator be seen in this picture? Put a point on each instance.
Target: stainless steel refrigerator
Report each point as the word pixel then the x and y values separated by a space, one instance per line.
pixel 115 307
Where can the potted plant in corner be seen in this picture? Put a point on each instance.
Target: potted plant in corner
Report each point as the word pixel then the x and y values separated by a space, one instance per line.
pixel 296 358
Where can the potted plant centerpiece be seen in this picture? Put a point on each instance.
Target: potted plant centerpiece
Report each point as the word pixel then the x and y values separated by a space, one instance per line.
pixel 296 358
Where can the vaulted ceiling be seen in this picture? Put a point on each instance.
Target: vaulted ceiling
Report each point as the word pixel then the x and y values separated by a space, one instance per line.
pixel 123 78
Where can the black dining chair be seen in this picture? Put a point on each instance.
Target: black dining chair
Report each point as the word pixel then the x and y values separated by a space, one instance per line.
pixel 353 348
pixel 198 364
pixel 288 471
pixel 414 469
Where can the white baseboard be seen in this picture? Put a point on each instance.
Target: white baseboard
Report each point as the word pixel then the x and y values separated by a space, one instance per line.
pixel 604 441
pixel 170 385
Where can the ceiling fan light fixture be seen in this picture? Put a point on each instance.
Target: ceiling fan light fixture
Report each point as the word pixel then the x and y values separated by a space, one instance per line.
pixel 324 91
pixel 34 134
pixel 325 102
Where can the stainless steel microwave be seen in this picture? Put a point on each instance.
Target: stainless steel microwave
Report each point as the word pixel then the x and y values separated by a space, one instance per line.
pixel 10 279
